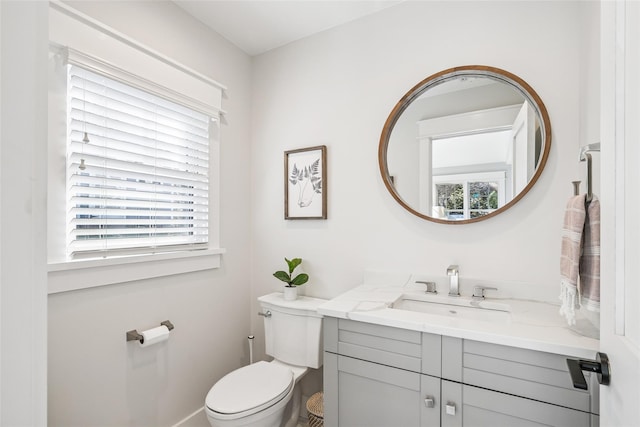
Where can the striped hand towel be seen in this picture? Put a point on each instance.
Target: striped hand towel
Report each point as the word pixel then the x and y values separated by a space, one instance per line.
pixel 580 257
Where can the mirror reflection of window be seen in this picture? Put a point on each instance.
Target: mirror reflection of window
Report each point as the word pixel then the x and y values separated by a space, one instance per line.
pixel 490 140
pixel 449 201
pixel 468 196
pixel 483 198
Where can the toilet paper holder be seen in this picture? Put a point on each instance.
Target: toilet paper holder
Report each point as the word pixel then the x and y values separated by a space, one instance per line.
pixel 134 335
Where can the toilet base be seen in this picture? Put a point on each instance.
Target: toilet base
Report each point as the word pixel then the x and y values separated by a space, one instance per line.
pixel 292 411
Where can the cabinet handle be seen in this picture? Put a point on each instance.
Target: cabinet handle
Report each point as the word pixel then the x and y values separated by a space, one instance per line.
pixel 450 409
pixel 429 402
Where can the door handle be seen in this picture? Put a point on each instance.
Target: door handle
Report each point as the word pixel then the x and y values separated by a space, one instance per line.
pixel 600 366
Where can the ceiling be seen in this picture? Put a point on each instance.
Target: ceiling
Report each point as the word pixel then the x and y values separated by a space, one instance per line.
pixel 257 26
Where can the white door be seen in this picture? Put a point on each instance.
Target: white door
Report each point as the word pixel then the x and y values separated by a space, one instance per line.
pixel 523 137
pixel 620 267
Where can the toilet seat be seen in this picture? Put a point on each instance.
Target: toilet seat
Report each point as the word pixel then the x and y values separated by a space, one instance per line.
pixel 249 390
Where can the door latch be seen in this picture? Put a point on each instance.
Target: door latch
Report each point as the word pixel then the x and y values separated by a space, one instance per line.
pixel 600 366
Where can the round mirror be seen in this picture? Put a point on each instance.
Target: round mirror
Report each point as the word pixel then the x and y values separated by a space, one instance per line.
pixel 464 144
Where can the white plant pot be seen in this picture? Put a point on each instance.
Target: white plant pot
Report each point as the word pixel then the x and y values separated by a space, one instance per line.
pixel 290 293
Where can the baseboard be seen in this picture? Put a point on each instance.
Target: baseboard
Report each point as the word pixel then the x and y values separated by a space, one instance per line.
pixel 199 419
pixel 196 419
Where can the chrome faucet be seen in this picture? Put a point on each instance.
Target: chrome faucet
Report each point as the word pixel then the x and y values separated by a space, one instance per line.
pixel 431 286
pixel 452 272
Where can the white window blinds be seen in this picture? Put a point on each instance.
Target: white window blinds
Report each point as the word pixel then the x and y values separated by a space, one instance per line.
pixel 141 182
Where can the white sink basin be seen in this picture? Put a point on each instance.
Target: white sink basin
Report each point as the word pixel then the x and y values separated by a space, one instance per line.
pixel 455 307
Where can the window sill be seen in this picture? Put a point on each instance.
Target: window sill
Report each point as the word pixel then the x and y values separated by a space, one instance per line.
pixel 84 274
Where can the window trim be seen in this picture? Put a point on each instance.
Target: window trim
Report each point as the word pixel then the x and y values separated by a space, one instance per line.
pixel 73 34
pixel 98 66
pixel 85 274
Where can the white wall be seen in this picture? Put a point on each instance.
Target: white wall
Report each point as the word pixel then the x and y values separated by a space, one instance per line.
pixel 95 376
pixel 590 89
pixel 337 88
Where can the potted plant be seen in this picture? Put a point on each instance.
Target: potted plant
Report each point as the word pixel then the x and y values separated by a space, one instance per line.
pixel 290 289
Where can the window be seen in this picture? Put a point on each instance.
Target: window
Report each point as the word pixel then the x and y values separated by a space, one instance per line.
pixel 141 198
pixel 466 196
pixel 137 170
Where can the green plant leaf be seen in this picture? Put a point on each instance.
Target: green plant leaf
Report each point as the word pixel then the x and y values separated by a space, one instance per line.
pixel 300 279
pixel 293 263
pixel 282 275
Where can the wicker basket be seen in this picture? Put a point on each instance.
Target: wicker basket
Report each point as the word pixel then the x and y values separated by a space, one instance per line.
pixel 315 408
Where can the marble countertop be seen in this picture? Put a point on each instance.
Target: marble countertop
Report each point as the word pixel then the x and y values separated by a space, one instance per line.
pixel 527 324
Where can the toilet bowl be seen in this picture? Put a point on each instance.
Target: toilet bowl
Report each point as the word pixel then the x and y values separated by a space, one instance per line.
pixel 258 394
pixel 255 395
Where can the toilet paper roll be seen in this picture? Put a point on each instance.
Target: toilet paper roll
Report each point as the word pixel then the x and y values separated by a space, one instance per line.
pixel 154 336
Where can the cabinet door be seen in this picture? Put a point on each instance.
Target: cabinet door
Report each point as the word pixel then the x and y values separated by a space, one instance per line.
pixel 489 408
pixel 452 404
pixel 373 395
pixel 430 391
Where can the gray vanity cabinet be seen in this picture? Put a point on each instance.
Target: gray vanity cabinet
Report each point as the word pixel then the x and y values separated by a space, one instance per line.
pixel 372 395
pixel 373 376
pixel 382 376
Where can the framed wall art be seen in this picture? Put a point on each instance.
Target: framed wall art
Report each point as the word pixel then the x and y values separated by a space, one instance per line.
pixel 305 185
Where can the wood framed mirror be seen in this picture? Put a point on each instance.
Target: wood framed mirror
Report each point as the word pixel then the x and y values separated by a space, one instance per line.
pixel 464 144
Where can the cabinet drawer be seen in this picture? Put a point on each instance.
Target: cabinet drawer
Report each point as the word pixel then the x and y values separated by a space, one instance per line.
pixel 532 374
pixel 489 408
pixel 380 344
pixel 378 331
pixel 410 350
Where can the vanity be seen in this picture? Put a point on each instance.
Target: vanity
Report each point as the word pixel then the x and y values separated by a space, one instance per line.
pixel 397 356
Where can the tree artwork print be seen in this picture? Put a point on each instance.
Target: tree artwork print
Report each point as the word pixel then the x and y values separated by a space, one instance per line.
pixel 308 182
pixel 305 186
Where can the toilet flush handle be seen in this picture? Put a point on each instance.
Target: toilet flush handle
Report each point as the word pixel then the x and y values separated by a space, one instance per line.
pixel 265 314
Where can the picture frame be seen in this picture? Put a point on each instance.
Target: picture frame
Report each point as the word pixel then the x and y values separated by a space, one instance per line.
pixel 305 183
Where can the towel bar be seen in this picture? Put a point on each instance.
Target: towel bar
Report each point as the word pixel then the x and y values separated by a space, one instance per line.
pixel 584 155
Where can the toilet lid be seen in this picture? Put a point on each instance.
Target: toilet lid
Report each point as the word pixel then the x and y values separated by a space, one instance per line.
pixel 250 388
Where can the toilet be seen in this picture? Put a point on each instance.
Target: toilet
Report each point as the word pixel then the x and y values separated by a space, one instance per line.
pixel 258 394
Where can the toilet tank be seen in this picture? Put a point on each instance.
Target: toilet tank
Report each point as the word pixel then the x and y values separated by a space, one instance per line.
pixel 293 331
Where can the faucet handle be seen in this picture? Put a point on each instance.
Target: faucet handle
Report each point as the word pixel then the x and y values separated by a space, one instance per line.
pixel 431 286
pixel 478 291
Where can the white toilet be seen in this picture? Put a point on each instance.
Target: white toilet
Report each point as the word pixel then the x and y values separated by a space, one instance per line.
pixel 257 394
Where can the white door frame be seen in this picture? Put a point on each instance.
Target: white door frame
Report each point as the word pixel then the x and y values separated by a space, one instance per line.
pixel 620 146
pixel 23 152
